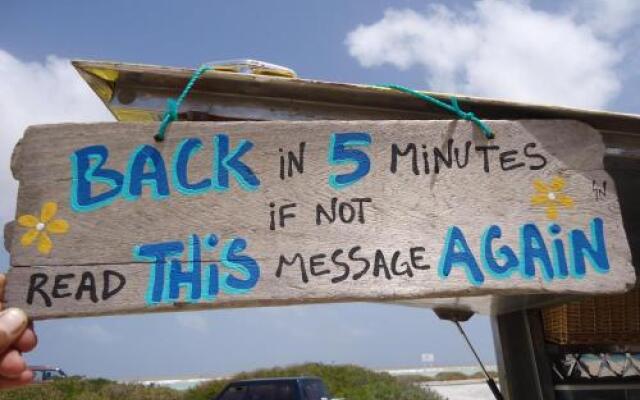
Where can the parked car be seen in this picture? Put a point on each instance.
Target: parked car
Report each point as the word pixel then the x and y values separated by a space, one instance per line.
pixel 294 388
pixel 43 373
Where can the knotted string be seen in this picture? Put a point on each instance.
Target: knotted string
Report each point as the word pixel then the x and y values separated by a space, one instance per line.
pixel 173 105
pixel 453 108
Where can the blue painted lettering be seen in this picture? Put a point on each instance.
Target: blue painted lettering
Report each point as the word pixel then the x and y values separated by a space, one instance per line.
pixel 146 167
pixel 559 256
pixel 157 253
pixel 246 266
pixel 226 161
pixel 532 248
pixel 185 150
pixel 340 152
pixel 596 253
pixel 533 253
pixel 190 279
pixel 510 260
pixel 167 277
pixel 457 252
pixel 136 176
pixel 87 169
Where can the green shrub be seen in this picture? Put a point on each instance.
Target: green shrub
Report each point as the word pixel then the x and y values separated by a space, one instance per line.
pixel 450 376
pixel 343 381
pixel 480 375
pixel 89 389
pixel 444 376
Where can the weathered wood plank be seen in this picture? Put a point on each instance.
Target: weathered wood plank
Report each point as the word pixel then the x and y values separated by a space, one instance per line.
pixel 394 236
pixel 72 299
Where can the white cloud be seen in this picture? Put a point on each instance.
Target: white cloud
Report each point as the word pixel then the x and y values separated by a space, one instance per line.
pixel 505 49
pixel 38 93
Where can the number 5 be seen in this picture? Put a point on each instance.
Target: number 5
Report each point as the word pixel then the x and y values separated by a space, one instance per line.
pixel 340 153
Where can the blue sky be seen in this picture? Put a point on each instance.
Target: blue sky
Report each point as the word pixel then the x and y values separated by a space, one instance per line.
pixel 573 53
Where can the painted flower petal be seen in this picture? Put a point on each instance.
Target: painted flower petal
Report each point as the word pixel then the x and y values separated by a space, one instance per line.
pixel 29 237
pixel 564 200
pixel 28 221
pixel 44 243
pixel 539 199
pixel 540 186
pixel 58 226
pixel 552 212
pixel 557 184
pixel 49 209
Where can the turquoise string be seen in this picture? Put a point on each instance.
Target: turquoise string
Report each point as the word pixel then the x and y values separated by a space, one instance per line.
pixel 452 108
pixel 173 105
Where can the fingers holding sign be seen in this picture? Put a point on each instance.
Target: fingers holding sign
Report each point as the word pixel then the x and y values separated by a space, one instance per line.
pixel 16 336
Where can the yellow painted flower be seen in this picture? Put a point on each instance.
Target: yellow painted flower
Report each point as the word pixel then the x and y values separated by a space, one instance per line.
pixel 40 228
pixel 550 196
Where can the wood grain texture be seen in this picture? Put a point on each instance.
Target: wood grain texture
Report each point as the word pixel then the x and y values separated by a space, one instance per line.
pixel 407 210
pixel 273 98
pixel 270 291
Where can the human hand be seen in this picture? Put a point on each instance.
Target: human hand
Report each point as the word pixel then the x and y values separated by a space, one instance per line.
pixel 16 337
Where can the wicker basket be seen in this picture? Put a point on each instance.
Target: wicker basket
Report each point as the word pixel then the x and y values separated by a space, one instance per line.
pixel 602 320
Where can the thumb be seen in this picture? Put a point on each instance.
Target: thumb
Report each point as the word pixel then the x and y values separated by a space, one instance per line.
pixel 13 321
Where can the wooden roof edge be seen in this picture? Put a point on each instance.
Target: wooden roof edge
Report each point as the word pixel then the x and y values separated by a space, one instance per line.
pixel 605 120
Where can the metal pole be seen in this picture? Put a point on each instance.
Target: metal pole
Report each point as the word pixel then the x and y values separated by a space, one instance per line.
pixel 490 382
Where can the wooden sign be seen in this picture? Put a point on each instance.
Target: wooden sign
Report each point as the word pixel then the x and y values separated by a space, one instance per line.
pixel 268 213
